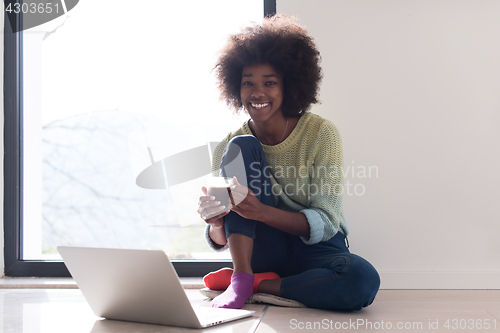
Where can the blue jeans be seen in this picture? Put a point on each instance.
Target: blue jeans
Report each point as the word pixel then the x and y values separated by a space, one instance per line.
pixel 324 275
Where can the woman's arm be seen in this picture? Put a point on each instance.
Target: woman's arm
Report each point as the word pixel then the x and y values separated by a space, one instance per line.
pixel 324 209
pixel 321 218
pixel 246 204
pixel 292 223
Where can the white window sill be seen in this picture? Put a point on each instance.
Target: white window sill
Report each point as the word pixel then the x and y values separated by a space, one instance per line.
pixel 69 283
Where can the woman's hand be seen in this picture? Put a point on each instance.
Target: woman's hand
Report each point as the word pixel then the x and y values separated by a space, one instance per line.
pixel 244 202
pixel 210 211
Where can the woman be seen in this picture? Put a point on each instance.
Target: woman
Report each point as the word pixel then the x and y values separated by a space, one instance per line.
pixel 286 215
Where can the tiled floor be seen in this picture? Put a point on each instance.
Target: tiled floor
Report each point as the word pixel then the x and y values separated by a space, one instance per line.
pixel 65 310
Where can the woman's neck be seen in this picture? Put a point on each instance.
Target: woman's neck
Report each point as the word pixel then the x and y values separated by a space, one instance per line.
pixel 273 131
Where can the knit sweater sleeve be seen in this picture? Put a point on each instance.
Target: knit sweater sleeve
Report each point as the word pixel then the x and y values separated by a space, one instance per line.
pixel 325 213
pixel 213 245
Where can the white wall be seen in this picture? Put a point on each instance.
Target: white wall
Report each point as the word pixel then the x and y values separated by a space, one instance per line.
pixel 414 86
pixel 1 147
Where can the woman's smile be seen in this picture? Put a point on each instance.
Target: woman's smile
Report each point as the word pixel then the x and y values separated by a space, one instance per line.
pixel 259 105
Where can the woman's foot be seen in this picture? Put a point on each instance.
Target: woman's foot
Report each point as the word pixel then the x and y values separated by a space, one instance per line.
pixel 238 292
pixel 221 279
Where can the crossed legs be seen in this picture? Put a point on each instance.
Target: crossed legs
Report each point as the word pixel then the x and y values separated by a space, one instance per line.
pixel 323 275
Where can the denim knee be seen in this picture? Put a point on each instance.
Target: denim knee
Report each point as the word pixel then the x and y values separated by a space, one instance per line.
pixel 239 154
pixel 365 283
pixel 246 142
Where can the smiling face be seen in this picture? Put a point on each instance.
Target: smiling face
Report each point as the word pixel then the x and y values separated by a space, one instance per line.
pixel 261 92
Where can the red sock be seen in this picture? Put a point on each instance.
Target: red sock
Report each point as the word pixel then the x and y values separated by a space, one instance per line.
pixel 221 279
pixel 259 277
pixel 218 280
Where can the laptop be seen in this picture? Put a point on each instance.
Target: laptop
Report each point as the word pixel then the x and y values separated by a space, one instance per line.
pixel 138 286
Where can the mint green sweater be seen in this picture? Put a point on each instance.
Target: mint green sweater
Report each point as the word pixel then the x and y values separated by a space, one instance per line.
pixel 306 174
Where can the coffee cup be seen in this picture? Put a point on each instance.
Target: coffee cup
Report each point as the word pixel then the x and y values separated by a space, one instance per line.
pixel 219 187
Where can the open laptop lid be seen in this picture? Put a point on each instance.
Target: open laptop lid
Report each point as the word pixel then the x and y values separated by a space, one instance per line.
pixel 132 285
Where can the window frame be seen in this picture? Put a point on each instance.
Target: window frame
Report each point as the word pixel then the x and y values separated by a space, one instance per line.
pixel 15 266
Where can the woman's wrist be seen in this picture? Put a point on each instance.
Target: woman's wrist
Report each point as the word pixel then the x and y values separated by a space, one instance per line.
pixel 264 214
pixel 218 235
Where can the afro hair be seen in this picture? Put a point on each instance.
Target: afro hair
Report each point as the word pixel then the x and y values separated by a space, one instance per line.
pixel 281 42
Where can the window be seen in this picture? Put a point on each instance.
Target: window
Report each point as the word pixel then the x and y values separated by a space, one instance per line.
pixel 92 99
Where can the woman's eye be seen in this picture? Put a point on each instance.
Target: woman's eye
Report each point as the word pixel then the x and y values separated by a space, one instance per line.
pixel 246 83
pixel 270 83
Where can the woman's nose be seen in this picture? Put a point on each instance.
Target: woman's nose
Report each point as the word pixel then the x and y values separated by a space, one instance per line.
pixel 257 92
